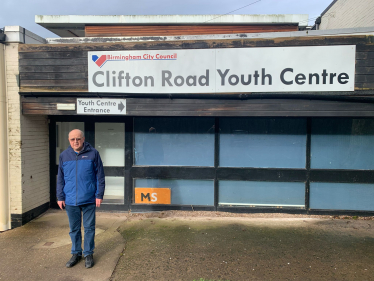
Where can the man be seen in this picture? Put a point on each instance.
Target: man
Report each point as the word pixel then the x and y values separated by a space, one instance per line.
pixel 80 189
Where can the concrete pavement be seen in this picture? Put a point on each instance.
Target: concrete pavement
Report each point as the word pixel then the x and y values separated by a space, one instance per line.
pixel 40 249
pixel 177 245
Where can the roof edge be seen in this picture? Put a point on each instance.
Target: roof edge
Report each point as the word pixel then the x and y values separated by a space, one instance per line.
pixel 267 35
pixel 149 19
pixel 328 7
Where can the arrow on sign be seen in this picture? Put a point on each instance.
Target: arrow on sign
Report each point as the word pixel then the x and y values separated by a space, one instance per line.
pixel 121 106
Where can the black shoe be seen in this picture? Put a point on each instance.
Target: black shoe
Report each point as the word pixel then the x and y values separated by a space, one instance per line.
pixel 89 261
pixel 74 260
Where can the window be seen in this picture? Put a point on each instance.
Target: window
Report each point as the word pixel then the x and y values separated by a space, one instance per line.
pixel 260 193
pixel 114 190
pixel 174 141
pixel 110 142
pixel 263 142
pixel 342 196
pixel 62 135
pixel 342 143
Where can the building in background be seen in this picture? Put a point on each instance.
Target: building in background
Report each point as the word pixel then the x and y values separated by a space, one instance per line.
pixel 341 14
pixel 231 113
pixel 169 25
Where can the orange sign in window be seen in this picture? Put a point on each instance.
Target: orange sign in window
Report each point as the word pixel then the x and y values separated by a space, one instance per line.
pixel 152 195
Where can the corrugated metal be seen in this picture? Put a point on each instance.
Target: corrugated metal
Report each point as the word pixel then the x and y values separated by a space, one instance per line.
pixel 170 30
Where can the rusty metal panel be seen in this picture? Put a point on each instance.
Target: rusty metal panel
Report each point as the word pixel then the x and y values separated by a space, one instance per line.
pixel 170 30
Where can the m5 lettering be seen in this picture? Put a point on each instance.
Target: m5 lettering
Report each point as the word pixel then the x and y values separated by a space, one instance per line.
pixel 148 196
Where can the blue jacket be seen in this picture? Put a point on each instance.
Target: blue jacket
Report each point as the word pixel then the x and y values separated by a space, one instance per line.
pixel 80 177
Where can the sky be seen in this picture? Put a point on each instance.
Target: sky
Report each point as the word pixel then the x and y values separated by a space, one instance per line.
pixel 22 12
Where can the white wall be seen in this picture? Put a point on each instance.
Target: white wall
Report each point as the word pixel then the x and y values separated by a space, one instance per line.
pixel 14 128
pixel 28 141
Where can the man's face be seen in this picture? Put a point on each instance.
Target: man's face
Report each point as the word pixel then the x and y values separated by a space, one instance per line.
pixel 76 140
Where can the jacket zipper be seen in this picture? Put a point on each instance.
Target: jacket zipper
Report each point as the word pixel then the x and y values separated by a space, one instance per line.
pixel 76 180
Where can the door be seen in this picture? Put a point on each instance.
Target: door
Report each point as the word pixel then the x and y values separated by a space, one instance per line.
pixel 107 135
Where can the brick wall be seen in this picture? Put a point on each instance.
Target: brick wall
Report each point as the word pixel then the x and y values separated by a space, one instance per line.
pixel 349 14
pixel 14 129
pixel 28 146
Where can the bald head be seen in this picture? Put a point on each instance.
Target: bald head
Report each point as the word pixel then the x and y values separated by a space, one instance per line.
pixel 76 139
pixel 76 131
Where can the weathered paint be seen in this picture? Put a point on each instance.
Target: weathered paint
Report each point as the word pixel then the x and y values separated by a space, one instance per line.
pixel 65 24
pixel 268 35
pixel 168 19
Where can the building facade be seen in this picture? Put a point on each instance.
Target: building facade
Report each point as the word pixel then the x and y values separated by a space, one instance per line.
pixel 214 122
pixel 25 169
pixel 348 14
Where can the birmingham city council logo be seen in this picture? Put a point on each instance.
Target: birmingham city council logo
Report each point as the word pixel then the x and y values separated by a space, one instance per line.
pixel 101 60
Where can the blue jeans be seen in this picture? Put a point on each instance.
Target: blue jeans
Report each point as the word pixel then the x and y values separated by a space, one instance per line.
pixel 75 222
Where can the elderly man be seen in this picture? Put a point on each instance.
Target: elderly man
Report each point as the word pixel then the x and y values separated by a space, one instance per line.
pixel 80 189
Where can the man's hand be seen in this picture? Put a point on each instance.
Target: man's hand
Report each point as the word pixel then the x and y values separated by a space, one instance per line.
pixel 61 204
pixel 98 202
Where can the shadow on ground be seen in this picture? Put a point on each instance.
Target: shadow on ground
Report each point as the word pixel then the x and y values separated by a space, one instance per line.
pixel 39 250
pixel 246 249
pixel 177 245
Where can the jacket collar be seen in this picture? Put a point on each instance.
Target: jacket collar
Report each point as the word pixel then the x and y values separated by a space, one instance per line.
pixel 86 147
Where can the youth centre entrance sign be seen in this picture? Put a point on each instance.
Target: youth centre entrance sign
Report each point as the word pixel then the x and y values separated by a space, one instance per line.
pixel 275 69
pixel 88 106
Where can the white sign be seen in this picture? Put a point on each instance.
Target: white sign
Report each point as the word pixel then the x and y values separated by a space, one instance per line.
pixel 101 106
pixel 279 69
